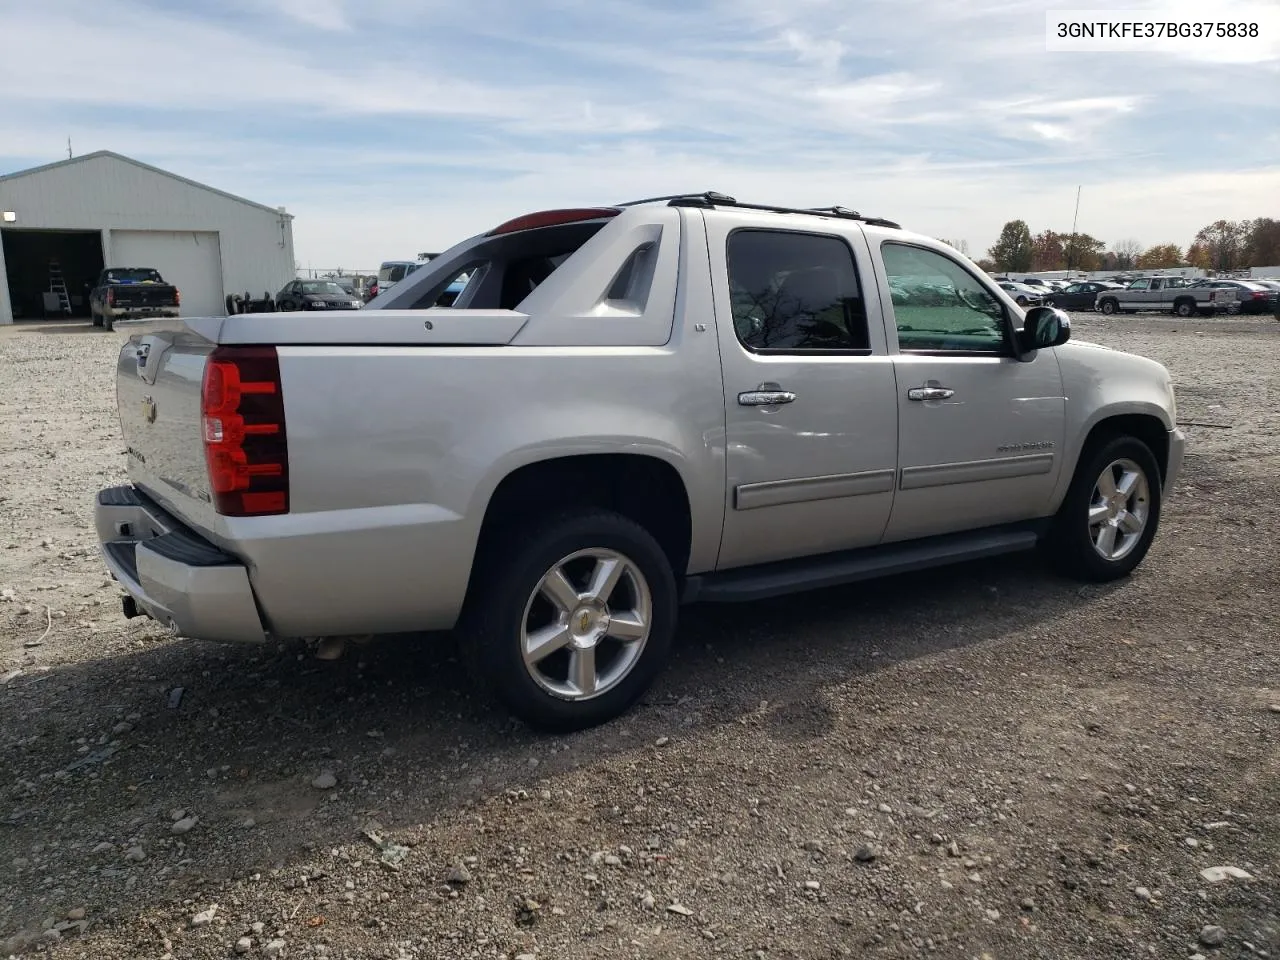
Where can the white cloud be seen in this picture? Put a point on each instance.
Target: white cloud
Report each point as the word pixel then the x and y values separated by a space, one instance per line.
pixel 827 53
pixel 391 126
pixel 325 14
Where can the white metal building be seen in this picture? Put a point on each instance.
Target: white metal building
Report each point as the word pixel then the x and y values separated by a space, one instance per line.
pixel 71 219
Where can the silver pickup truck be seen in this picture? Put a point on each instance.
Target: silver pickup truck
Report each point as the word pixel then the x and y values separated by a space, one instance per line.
pixel 626 408
pixel 1165 294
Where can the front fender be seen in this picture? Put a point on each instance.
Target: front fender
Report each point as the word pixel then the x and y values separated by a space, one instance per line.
pixel 1100 384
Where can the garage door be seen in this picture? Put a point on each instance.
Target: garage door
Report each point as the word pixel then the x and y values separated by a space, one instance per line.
pixel 191 261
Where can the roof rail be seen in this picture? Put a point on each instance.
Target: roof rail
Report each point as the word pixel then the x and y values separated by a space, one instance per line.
pixel 711 198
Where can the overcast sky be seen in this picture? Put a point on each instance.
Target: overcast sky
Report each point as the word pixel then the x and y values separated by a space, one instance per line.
pixel 390 127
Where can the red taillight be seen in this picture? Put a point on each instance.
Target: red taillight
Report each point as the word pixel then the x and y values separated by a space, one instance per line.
pixel 1260 295
pixel 111 296
pixel 551 218
pixel 246 449
pixel 177 297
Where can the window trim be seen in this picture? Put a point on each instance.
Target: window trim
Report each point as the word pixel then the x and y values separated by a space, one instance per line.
pixel 867 351
pixel 1007 349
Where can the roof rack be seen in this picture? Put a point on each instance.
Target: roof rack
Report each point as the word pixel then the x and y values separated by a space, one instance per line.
pixel 711 198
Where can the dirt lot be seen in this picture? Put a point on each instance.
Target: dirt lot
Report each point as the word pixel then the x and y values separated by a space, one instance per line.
pixel 978 762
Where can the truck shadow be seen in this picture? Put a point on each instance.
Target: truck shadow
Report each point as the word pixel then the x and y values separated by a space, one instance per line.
pixel 236 735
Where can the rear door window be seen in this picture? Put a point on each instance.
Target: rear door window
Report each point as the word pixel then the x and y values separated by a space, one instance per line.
pixel 795 293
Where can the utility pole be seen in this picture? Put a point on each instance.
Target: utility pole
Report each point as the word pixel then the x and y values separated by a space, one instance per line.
pixel 1071 241
pixel 68 148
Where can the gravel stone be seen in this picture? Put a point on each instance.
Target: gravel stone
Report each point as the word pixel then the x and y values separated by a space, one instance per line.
pixel 929 718
pixel 1213 936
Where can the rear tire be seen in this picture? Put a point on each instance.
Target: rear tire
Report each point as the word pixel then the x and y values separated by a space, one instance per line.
pixel 533 591
pixel 95 318
pixel 1110 514
pixel 1187 308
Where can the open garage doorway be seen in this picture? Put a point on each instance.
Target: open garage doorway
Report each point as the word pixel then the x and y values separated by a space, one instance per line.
pixel 35 258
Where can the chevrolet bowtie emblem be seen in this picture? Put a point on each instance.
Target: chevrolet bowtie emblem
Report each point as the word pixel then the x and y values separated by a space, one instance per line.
pixel 584 621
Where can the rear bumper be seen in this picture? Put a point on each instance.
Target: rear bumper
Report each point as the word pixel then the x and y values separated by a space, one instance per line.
pixel 173 575
pixel 130 313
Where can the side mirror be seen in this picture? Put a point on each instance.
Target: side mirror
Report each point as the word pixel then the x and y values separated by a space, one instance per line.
pixel 1043 327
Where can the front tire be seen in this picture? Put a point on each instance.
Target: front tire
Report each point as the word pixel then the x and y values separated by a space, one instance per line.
pixel 1108 307
pixel 1110 514
pixel 570 620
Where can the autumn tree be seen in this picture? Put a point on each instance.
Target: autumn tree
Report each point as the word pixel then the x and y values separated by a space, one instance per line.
pixel 987 265
pixel 1013 250
pixel 1225 240
pixel 1198 256
pixel 1083 252
pixel 1047 251
pixel 1160 256
pixel 1126 254
pixel 1262 247
pixel 960 246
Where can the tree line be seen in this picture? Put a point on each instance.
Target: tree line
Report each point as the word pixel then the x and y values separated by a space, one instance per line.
pixel 1221 246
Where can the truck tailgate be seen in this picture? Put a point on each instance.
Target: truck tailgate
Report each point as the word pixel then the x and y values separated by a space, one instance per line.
pixel 143 295
pixel 158 382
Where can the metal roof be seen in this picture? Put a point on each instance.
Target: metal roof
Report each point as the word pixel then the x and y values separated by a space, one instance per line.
pixel 101 154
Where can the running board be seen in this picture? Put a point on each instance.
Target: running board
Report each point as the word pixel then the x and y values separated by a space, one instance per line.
pixel 833 569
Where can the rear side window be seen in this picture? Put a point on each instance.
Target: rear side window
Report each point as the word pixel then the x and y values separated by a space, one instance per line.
pixel 795 292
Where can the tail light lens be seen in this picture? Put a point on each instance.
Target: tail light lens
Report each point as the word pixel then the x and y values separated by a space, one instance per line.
pixel 177 297
pixel 245 444
pixel 1259 295
pixel 111 297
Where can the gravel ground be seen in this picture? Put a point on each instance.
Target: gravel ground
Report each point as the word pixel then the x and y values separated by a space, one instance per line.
pixel 977 762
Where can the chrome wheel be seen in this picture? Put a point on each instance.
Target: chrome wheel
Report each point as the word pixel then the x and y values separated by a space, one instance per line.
pixel 586 624
pixel 1119 509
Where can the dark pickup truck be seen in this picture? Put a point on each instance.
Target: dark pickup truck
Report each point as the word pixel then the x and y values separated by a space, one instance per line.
pixel 124 293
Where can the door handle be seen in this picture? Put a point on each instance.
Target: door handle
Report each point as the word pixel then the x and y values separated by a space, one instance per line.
pixel 765 395
pixel 930 393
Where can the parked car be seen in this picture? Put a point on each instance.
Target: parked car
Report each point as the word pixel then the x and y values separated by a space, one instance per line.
pixel 348 285
pixel 316 295
pixel 1023 295
pixel 1079 296
pixel 1166 294
pixel 127 293
pixel 390 273
pixel 1250 296
pixel 1041 284
pixel 643 405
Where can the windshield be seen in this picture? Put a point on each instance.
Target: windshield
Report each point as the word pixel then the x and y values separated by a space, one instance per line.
pixel 321 287
pixel 392 272
pixel 133 275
